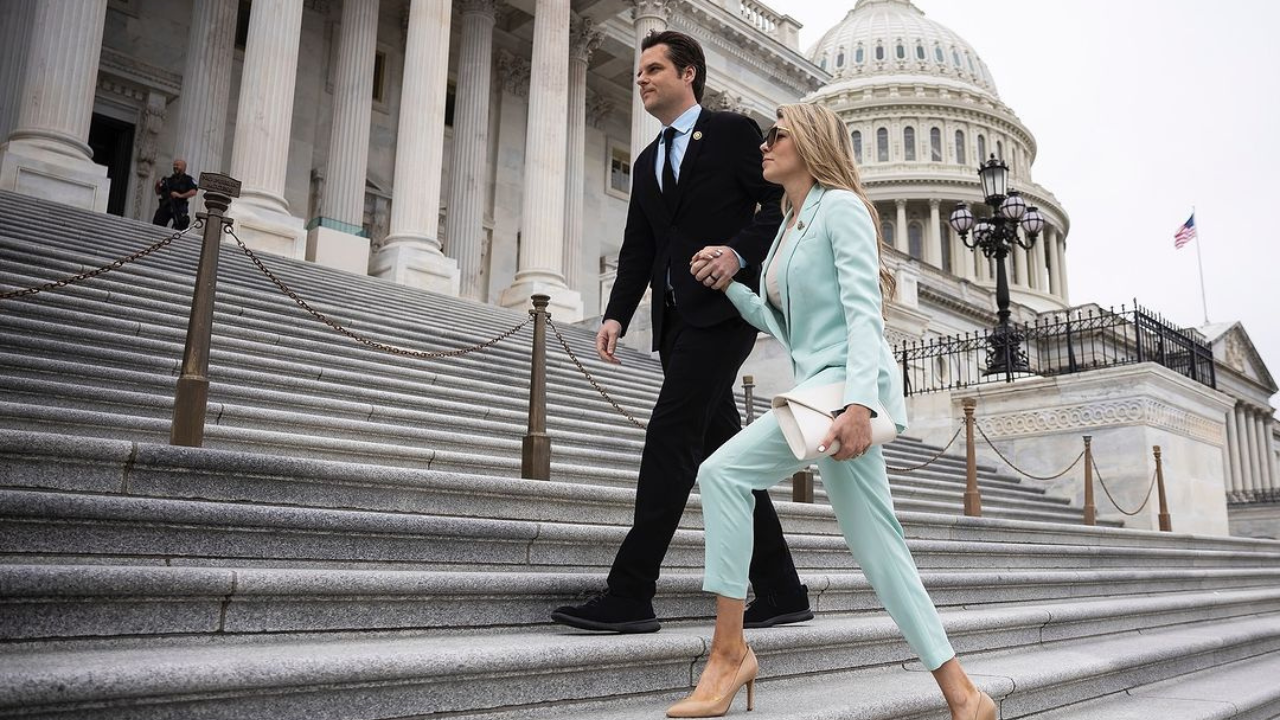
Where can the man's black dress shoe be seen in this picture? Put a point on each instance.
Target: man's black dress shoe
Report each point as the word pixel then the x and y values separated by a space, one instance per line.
pixel 778 609
pixel 609 613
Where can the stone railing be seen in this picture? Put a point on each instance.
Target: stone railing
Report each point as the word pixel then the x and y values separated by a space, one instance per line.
pixel 780 27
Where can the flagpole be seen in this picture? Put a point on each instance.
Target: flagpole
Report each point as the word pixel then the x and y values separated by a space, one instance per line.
pixel 1204 301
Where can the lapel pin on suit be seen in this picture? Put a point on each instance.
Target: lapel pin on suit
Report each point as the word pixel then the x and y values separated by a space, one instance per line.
pixel 800 225
pixel 697 135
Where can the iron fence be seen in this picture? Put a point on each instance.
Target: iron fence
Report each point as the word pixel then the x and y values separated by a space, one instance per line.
pixel 1059 343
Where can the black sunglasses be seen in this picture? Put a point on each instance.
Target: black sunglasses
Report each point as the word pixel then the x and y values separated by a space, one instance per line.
pixel 775 132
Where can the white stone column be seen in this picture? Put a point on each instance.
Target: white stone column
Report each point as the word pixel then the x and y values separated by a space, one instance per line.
pixel 933 243
pixel 1055 277
pixel 264 118
pixel 206 87
pixel 16 17
pixel 961 258
pixel 1250 450
pixel 1062 268
pixel 337 239
pixel 1037 270
pixel 900 238
pixel 542 207
pixel 48 154
pixel 1020 266
pixel 1264 467
pixel 1235 486
pixel 465 241
pixel 411 253
pixel 649 16
pixel 583 40
pixel 1271 456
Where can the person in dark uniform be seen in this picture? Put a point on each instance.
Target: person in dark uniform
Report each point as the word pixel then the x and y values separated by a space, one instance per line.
pixel 697 184
pixel 174 191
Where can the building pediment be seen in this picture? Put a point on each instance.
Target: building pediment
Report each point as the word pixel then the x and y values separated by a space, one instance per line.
pixel 1233 348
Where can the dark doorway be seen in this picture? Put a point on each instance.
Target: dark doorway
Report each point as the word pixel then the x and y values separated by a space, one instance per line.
pixel 112 143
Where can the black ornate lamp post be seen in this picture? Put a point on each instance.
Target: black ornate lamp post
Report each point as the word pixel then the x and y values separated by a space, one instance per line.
pixel 995 237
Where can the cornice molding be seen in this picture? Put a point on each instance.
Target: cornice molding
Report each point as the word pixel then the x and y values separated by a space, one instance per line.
pixel 1096 415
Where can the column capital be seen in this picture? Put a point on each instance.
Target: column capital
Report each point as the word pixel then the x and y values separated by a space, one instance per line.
pixel 514 73
pixel 487 8
pixel 584 38
pixel 900 202
pixel 598 108
pixel 659 9
pixel 935 204
pixel 724 101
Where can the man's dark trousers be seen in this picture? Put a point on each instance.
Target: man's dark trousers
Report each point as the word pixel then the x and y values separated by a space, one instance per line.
pixel 166 212
pixel 696 401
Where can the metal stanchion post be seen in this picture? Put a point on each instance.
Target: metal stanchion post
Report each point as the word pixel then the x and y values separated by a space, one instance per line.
pixel 749 396
pixel 1090 509
pixel 972 497
pixel 802 486
pixel 192 397
pixel 1166 522
pixel 535 460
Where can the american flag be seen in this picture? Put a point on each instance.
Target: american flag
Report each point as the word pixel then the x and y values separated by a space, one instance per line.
pixel 1186 233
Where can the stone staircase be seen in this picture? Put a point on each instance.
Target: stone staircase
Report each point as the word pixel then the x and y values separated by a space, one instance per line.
pixel 355 540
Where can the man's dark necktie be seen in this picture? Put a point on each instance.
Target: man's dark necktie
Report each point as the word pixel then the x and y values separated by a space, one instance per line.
pixel 668 172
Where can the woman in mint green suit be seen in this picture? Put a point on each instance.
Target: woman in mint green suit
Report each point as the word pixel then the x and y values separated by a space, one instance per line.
pixel 820 296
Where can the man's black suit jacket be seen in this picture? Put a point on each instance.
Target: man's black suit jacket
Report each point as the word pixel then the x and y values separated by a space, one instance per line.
pixel 718 193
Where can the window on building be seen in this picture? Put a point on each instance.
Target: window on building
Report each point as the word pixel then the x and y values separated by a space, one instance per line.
pixel 380 77
pixel 909 143
pixel 960 158
pixel 937 53
pixel 946 247
pixel 620 171
pixel 856 136
pixel 955 57
pixel 901 51
pixel 450 105
pixel 840 58
pixel 1000 149
pixel 882 145
pixel 859 55
pixel 823 64
pixel 879 52
pixel 982 148
pixel 935 145
pixel 920 54
pixel 915 240
pixel 972 69
pixel 886 232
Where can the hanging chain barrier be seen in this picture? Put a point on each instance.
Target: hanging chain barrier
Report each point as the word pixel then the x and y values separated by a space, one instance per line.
pixel 1024 473
pixel 931 460
pixel 115 265
pixel 1112 498
pixel 581 368
pixel 420 354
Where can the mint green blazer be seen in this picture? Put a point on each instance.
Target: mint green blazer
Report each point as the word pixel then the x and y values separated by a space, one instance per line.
pixel 829 284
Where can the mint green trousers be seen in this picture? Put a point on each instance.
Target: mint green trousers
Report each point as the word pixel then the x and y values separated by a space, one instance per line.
pixel 757 458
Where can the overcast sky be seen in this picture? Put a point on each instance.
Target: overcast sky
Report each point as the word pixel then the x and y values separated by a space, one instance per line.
pixel 1142 109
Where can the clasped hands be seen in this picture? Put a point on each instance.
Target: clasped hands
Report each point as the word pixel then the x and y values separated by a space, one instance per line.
pixel 714 266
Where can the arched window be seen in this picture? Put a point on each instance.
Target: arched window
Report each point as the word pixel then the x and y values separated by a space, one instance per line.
pixel 882 145
pixel 960 159
pixel 823 64
pixel 859 55
pixel 915 240
pixel 1000 149
pixel 909 143
pixel 935 145
pixel 901 51
pixel 840 58
pixel 879 52
pixel 920 51
pixel 857 146
pixel 886 232
pixel 955 57
pixel 937 53
pixel 972 69
pixel 982 148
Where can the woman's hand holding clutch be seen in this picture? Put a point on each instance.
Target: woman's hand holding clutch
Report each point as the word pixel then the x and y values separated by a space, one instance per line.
pixel 852 428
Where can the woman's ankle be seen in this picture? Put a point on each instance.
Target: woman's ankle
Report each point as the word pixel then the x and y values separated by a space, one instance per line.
pixel 731 651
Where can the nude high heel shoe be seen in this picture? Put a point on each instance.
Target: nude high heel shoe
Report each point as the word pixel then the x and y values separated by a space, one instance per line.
pixel 717 707
pixel 986 708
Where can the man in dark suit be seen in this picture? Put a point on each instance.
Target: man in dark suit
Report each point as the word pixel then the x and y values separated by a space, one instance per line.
pixel 698 184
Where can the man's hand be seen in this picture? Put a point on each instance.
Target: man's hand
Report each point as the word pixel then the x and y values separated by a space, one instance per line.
pixel 175 194
pixel 714 266
pixel 852 429
pixel 607 341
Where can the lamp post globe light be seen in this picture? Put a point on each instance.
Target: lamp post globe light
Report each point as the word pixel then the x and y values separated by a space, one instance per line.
pixel 995 237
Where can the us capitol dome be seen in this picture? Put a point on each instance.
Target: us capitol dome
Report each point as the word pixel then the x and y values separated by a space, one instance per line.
pixel 923 110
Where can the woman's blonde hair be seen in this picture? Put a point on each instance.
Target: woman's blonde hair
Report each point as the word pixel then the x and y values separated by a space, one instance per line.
pixel 823 144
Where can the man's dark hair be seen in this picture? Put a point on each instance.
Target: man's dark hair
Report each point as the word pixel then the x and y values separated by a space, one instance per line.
pixel 683 51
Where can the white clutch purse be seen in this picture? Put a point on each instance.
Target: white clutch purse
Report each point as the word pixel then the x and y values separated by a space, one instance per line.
pixel 805 416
